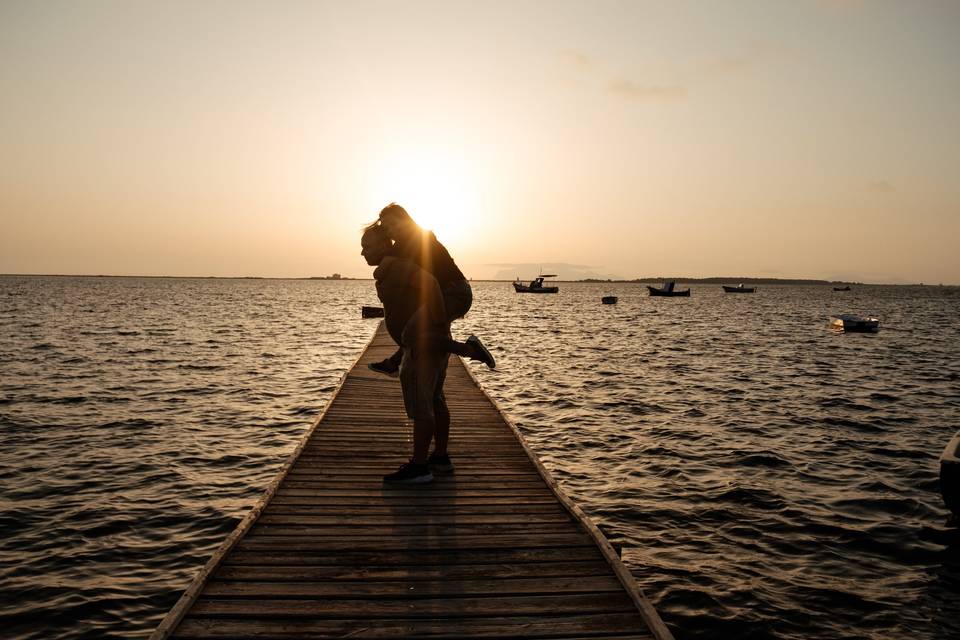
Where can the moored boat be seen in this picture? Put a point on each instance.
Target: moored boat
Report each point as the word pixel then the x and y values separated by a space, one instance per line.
pixel 854 324
pixel 668 290
pixel 950 475
pixel 536 285
pixel 738 289
pixel 609 299
pixel 846 288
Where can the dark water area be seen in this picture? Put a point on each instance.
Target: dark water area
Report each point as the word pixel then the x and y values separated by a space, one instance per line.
pixel 766 477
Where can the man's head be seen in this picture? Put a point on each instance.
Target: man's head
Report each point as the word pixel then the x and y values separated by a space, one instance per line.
pixel 374 244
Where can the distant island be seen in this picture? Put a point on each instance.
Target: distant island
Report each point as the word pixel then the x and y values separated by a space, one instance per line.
pixel 334 276
pixel 720 280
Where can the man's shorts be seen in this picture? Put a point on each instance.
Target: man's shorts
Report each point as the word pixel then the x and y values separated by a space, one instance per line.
pixel 422 374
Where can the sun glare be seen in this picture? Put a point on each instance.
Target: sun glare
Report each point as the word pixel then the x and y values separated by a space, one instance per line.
pixel 438 193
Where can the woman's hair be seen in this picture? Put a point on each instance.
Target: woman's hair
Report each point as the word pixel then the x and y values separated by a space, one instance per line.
pixel 402 225
pixel 393 210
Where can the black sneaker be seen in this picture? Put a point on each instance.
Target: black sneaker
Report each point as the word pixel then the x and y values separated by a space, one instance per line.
pixel 385 367
pixel 409 473
pixel 485 356
pixel 440 463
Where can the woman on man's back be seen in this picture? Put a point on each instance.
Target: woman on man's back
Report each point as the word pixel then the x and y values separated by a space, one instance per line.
pixel 423 248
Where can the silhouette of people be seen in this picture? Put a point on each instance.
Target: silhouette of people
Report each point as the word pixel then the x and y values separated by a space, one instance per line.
pixel 421 247
pixel 416 318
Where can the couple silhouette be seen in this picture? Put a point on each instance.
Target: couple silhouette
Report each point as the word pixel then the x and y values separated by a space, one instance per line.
pixel 422 291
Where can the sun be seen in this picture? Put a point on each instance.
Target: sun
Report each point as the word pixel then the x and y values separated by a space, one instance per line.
pixel 437 190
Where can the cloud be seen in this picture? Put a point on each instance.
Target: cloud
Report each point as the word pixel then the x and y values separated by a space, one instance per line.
pixel 576 59
pixel 840 4
pixel 880 186
pixel 635 91
pixel 754 54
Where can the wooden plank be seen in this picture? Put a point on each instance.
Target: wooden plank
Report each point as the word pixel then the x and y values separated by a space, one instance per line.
pixel 415 510
pixel 445 571
pixel 438 531
pixel 405 557
pixel 404 542
pixel 411 519
pixel 439 484
pixel 447 588
pixel 493 550
pixel 613 625
pixel 391 494
pixel 419 501
pixel 427 607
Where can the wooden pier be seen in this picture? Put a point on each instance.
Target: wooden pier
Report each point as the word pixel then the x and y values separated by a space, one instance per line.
pixel 495 550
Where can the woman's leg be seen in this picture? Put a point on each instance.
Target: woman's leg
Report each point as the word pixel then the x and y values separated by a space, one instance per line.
pixel 457 300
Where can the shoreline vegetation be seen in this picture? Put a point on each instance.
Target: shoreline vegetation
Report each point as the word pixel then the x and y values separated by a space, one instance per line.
pixel 647 280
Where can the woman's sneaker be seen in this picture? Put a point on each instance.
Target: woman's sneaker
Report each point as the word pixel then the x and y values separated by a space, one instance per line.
pixel 409 473
pixel 440 463
pixel 483 355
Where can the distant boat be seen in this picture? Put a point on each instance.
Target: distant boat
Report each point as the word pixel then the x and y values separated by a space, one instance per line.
pixel 846 288
pixel 739 289
pixel 668 290
pixel 609 299
pixel 536 285
pixel 853 324
pixel 950 475
pixel 371 312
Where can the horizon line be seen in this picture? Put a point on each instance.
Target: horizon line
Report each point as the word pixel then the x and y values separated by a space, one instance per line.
pixel 681 280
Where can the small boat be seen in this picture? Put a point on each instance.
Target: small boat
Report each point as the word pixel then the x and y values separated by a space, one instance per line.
pixel 668 290
pixel 371 312
pixel 536 285
pixel 609 299
pixel 738 289
pixel 950 475
pixel 846 288
pixel 848 323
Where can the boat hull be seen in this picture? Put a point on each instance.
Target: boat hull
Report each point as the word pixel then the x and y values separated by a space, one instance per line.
pixel 654 291
pixel 609 299
pixel 738 289
pixel 950 475
pixel 522 288
pixel 851 324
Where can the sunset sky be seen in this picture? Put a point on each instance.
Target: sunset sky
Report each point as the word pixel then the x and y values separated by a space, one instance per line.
pixel 800 138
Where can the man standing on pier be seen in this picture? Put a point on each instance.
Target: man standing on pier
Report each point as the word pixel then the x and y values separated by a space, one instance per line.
pixel 416 319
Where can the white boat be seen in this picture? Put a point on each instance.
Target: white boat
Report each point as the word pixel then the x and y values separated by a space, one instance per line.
pixel 950 475
pixel 854 324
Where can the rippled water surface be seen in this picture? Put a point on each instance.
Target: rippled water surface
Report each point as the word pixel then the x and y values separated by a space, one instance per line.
pixel 767 478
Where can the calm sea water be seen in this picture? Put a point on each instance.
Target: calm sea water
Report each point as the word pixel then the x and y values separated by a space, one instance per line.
pixel 767 478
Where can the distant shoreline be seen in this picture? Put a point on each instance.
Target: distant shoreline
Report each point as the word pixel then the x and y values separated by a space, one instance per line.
pixel 638 281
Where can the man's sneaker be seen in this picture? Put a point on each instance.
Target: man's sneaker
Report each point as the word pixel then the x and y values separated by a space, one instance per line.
pixel 484 356
pixel 409 473
pixel 440 463
pixel 385 367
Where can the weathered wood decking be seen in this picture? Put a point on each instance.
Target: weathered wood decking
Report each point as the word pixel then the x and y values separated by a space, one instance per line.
pixel 494 550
